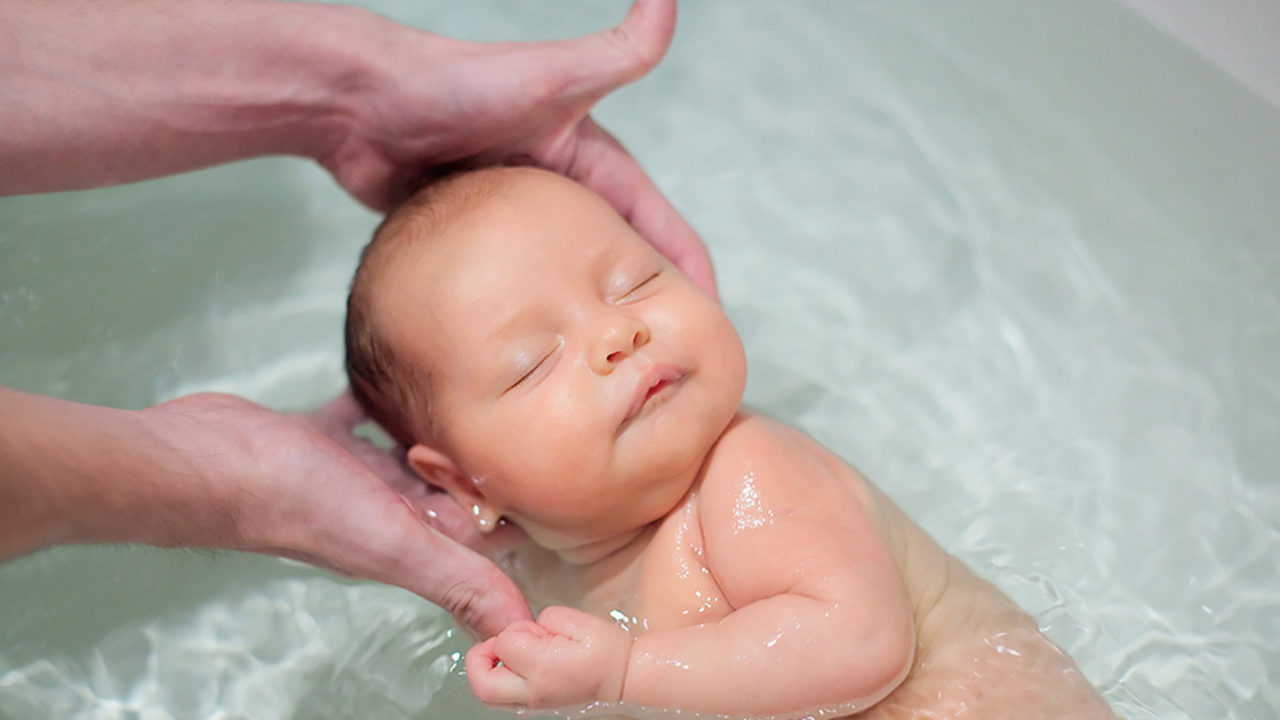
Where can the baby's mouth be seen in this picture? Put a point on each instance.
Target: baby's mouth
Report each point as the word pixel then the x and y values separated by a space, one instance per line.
pixel 652 383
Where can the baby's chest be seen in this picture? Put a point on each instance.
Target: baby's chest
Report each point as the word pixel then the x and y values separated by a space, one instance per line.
pixel 670 586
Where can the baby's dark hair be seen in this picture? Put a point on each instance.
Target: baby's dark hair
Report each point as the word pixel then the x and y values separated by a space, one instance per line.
pixel 384 386
pixel 392 391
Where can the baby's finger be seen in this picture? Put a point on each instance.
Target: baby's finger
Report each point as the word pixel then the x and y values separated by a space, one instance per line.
pixel 521 646
pixel 491 680
pixel 570 623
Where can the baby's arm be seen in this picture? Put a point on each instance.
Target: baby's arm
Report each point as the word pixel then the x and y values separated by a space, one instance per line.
pixel 821 618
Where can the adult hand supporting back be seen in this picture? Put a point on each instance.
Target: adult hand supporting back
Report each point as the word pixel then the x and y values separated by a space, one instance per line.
pixel 101 92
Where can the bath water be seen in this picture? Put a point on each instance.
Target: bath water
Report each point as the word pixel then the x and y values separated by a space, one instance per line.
pixel 1016 261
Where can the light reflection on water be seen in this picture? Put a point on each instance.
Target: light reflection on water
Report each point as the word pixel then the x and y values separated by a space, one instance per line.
pixel 1015 261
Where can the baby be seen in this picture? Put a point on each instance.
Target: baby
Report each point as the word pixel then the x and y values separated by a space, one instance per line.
pixel 545 366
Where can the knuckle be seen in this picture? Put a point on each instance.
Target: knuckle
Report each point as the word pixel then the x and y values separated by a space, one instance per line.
pixel 460 599
pixel 555 617
pixel 634 53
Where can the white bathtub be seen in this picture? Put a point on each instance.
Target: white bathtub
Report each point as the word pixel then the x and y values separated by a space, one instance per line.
pixel 1018 261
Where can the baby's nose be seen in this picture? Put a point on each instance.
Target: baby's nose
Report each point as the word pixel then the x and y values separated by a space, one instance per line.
pixel 618 339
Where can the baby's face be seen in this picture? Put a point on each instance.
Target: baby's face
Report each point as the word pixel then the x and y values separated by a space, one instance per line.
pixel 580 379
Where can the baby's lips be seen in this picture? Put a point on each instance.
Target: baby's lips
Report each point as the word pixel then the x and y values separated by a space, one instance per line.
pixel 652 380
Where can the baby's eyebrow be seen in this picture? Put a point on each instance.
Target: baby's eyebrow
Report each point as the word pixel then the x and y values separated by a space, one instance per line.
pixel 510 326
pixel 611 254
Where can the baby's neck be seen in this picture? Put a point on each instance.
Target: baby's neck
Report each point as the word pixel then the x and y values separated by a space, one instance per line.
pixel 607 556
pixel 601 549
pixel 604 575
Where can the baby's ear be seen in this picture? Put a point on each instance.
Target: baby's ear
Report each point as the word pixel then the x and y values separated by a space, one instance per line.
pixel 440 470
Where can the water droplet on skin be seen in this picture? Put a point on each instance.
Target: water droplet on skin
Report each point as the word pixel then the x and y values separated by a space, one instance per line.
pixel 630 623
pixel 749 510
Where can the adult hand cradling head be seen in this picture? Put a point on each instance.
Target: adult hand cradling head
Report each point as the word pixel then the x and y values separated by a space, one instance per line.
pixel 382 107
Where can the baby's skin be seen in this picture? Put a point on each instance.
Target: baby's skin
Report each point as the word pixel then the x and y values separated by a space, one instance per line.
pixel 833 598
pixel 689 555
pixel 767 589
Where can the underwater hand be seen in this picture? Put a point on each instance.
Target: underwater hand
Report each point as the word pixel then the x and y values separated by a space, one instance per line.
pixel 292 491
pixel 565 658
pixel 445 103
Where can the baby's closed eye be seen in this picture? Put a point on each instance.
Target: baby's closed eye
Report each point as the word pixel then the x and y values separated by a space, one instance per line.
pixel 634 285
pixel 529 367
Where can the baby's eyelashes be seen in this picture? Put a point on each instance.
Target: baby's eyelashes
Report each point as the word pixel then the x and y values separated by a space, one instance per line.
pixel 639 289
pixel 534 369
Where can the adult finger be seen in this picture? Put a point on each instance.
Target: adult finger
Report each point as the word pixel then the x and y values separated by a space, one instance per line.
pixel 601 163
pixel 385 539
pixel 343 409
pixel 447 516
pixel 371 178
pixel 469 587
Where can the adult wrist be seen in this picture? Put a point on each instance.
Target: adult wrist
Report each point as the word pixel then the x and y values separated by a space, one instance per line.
pixel 299 76
pixel 55 480
pixel 336 75
pixel 108 93
pixel 29 515
pixel 185 483
pixel 359 60
pixel 72 473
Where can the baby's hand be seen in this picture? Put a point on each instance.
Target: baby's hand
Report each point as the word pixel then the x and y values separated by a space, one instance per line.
pixel 567 657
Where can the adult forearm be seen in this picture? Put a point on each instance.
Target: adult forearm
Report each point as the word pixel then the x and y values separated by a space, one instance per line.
pixel 73 473
pixel 111 91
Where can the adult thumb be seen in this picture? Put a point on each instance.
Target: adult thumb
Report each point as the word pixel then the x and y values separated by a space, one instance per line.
pixel 598 63
pixel 466 585
pixel 482 599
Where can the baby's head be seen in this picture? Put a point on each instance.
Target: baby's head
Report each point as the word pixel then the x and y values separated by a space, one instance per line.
pixel 539 359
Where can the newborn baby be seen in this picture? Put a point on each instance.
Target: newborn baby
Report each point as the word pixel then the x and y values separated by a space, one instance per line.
pixel 546 367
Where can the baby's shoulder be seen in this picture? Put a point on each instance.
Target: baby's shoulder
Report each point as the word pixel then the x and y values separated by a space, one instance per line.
pixel 759 448
pixel 761 460
pixel 753 439
pixel 769 495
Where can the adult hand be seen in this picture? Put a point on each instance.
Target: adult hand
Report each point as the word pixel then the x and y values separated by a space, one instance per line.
pixel 337 421
pixel 203 82
pixel 302 486
pixel 218 471
pixel 382 106
pixel 522 103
